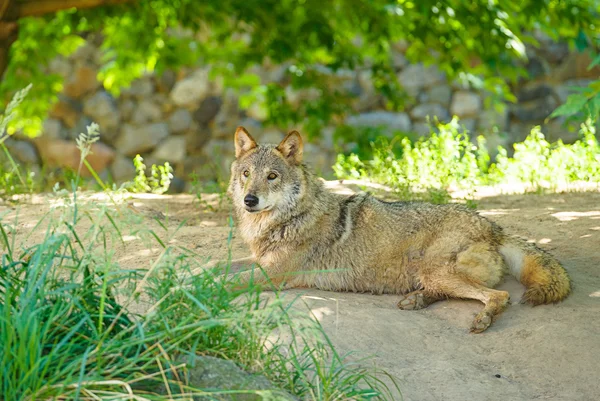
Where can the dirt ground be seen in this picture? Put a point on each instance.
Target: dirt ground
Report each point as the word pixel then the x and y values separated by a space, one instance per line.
pixel 546 353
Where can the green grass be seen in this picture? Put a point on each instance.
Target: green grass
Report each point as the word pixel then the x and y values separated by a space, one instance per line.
pixel 68 327
pixel 450 159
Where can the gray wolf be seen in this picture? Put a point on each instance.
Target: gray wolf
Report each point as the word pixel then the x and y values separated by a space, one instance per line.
pixel 304 236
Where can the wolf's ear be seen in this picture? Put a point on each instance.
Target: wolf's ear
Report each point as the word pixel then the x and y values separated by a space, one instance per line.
pixel 291 147
pixel 243 141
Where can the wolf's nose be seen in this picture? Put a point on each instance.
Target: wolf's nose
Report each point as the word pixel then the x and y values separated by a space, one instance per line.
pixel 250 200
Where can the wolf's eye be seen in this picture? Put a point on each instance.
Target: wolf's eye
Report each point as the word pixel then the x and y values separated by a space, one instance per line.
pixel 246 173
pixel 271 176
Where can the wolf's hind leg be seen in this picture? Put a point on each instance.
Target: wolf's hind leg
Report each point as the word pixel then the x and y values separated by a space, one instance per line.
pixel 455 286
pixel 418 299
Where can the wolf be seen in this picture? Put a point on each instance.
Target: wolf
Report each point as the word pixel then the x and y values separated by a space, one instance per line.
pixel 302 235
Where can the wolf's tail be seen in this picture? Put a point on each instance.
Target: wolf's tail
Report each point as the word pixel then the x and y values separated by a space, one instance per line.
pixel 545 279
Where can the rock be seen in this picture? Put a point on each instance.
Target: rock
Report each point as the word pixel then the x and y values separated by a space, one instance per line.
pixel 122 169
pixel 85 52
pixel 465 104
pixel 536 110
pixel 102 109
pixel 197 138
pixel 192 89
pixel 66 111
pixel 179 121
pixel 226 120
pixel 171 149
pixel 146 111
pixel 134 140
pixel 52 128
pixel 399 61
pixel 65 154
pixel 422 128
pixel 140 88
pixel 22 151
pixel 558 128
pixel 490 119
pixel 431 110
pixel 166 81
pixel 318 159
pixel 415 77
pixel 440 94
pixel 126 108
pixel 61 66
pixel 272 136
pixel 83 82
pixel 469 124
pixel 209 373
pixel 177 186
pixel 208 109
pixel 80 126
pixel 528 93
pixel 389 121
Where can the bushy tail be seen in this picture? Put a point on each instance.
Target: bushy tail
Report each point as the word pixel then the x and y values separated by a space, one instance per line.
pixel 545 279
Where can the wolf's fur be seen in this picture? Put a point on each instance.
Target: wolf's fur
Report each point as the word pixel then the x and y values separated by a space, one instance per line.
pixel 302 235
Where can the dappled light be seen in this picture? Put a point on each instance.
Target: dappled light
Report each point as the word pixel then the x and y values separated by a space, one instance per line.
pixel 568 216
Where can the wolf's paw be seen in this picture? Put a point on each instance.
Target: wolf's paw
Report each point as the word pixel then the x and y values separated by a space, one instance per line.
pixel 482 321
pixel 413 301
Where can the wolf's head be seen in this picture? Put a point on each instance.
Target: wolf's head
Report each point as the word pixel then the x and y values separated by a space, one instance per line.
pixel 266 177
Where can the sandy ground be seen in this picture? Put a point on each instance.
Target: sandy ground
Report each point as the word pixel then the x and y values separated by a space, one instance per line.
pixel 546 353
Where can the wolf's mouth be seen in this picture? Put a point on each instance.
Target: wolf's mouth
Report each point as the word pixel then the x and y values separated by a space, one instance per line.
pixel 254 210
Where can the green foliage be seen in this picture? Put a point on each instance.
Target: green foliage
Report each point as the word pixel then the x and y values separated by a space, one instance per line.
pixel 449 160
pixel 314 38
pixel 541 164
pixel 68 329
pixel 157 182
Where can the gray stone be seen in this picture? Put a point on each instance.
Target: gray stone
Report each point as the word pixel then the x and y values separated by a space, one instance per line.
pixel 102 109
pixel 167 80
pixel 389 121
pixel 61 66
pixel 399 61
pixel 208 109
pixel 490 119
pixel 126 108
pixel 422 128
pixel 469 124
pixel 146 111
pixel 465 104
pixel 415 77
pixel 536 110
pixel 197 138
pixel 528 93
pixel 122 169
pixel 191 90
pixel 140 88
pixel 440 94
pixel 135 140
pixel 180 120
pixel 23 151
pixel 171 149
pixel 227 119
pixel 210 373
pixel 431 110
pixel 53 128
pixel 272 136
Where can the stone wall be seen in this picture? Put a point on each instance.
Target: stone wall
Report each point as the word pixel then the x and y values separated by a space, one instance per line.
pixel 187 119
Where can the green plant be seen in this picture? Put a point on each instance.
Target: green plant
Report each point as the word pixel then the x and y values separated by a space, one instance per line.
pixel 448 160
pixel 157 182
pixel 314 38
pixel 68 326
